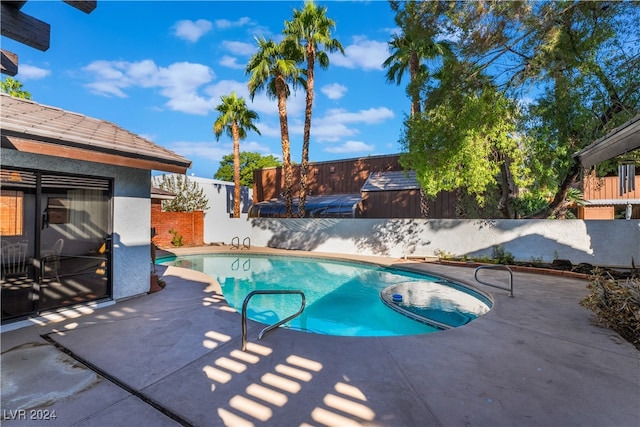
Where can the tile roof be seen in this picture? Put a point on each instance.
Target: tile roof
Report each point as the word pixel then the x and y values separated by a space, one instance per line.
pixel 29 120
pixel 391 181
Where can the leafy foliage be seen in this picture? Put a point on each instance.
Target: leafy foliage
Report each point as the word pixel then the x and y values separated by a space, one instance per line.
pixel 234 113
pixel 249 162
pixel 13 87
pixel 189 196
pixel 575 62
pixel 177 239
pixel 462 141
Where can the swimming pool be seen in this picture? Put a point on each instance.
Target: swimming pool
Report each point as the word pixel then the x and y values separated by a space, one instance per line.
pixel 342 298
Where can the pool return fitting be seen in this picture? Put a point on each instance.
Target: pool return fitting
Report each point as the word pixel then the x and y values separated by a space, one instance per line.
pixel 275 325
pixel 496 267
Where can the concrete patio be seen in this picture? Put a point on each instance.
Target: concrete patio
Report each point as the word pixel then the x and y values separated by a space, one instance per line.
pixel 174 358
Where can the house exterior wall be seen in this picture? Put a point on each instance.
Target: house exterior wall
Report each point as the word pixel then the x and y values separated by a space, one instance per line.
pixel 131 214
pixel 607 190
pixel 602 243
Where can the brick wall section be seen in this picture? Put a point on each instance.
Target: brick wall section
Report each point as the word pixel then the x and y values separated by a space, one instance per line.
pixel 190 225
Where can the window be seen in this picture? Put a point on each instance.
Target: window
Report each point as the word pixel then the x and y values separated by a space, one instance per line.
pixel 11 213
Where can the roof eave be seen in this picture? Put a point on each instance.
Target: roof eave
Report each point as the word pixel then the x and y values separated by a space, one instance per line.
pixel 621 140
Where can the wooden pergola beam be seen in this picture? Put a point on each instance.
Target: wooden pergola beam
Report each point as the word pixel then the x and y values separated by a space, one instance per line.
pixel 24 28
pixel 15 4
pixel 8 63
pixel 85 6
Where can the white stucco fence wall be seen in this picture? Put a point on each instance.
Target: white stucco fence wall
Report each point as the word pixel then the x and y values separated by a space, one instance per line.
pixel 604 243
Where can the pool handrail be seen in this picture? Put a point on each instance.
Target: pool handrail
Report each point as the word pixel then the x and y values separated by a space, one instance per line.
pixel 496 267
pixel 275 325
pixel 235 243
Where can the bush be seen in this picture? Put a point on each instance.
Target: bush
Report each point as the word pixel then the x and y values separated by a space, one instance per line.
pixel 616 304
pixel 188 195
pixel 176 240
pixel 501 256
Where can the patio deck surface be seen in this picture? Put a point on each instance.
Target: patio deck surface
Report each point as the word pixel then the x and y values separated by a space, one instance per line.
pixel 174 357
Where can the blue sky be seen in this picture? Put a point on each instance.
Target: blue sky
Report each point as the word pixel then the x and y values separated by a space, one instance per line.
pixel 159 68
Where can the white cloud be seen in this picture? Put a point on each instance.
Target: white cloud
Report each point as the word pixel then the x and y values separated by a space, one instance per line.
pixel 339 123
pixel 225 87
pixel 362 53
pixel 351 147
pixel 334 90
pixel 369 116
pixel 192 30
pixel 223 24
pixel 239 48
pixel 186 85
pixel 231 62
pixel 212 150
pixel 331 131
pixel 269 129
pixel 179 81
pixel 29 72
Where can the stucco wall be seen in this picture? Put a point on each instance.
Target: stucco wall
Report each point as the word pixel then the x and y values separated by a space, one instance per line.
pixel 131 214
pixel 604 243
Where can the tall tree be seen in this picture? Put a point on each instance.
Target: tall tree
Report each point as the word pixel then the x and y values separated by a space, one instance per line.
pixel 249 162
pixel 465 139
pixel 580 58
pixel 409 50
pixel 235 119
pixel 13 87
pixel 311 29
pixel 272 68
pixel 414 45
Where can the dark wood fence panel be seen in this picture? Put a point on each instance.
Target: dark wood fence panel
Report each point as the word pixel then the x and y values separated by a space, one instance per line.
pixel 339 177
pixel 348 177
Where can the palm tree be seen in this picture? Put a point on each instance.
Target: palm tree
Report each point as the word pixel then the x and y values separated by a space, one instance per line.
pixel 310 29
pixel 272 68
pixel 407 53
pixel 414 45
pixel 236 119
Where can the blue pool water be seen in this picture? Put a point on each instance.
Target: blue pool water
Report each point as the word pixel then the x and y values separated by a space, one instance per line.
pixel 342 298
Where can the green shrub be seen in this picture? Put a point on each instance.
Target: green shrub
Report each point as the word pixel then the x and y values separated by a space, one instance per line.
pixel 501 256
pixel 616 304
pixel 177 238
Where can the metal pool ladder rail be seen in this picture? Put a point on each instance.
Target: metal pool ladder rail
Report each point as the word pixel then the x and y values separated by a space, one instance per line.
pixel 496 267
pixel 275 325
pixel 246 243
